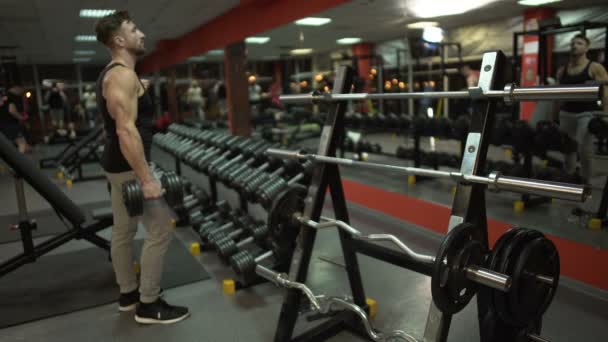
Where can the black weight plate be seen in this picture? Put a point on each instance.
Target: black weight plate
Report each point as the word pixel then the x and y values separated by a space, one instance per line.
pixel 460 288
pixel 445 259
pixel 133 198
pixel 283 229
pixel 494 259
pixel 497 259
pixel 506 265
pixel 280 217
pixel 528 297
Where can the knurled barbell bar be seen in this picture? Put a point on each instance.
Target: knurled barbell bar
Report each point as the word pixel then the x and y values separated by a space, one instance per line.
pixel 495 181
pixel 511 93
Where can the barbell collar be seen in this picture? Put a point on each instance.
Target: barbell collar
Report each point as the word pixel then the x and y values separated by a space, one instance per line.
pixel 565 191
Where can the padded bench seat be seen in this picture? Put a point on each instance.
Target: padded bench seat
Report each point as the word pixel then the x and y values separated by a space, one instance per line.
pixel 102 213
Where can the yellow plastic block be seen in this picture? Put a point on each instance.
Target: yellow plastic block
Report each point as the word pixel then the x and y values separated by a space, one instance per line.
pixel 411 180
pixel 545 162
pixel 173 223
pixel 60 175
pixel 364 156
pixel 195 248
pixel 69 183
pixel 229 287
pixel 136 268
pixel 508 153
pixel 373 307
pixel 594 224
pixel 518 206
pixel 453 191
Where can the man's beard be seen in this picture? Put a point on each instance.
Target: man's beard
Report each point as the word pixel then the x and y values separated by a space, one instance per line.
pixel 138 51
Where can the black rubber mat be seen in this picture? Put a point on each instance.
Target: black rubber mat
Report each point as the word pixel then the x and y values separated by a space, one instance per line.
pixel 47 221
pixel 63 283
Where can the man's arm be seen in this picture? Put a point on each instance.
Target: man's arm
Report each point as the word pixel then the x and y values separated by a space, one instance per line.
pixel 599 74
pixel 120 91
pixel 12 110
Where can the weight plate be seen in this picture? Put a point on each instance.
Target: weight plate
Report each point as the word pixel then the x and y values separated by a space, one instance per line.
pixel 133 198
pixel 529 297
pixel 507 262
pixel 282 227
pixel 450 293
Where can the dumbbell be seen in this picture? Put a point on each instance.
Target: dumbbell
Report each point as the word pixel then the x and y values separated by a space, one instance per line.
pixel 220 164
pixel 222 209
pixel 133 196
pixel 243 178
pixel 226 171
pixel 269 190
pixel 244 262
pixel 204 160
pixel 228 247
pixel 211 163
pixel 192 157
pixel 242 224
pixel 206 230
pixel 198 197
pixel 251 188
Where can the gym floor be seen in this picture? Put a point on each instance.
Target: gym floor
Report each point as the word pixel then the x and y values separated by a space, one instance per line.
pixel 403 297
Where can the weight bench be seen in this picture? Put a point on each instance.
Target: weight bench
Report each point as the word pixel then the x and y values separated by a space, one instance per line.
pixel 72 147
pixel 24 169
pixel 85 151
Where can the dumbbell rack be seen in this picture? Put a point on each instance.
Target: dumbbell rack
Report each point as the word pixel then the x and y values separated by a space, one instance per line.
pixel 468 206
pixel 212 182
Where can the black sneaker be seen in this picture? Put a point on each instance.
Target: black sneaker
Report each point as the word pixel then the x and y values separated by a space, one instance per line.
pixel 129 301
pixel 160 312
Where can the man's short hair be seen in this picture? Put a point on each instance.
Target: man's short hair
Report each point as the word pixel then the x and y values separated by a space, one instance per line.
pixel 583 37
pixel 107 26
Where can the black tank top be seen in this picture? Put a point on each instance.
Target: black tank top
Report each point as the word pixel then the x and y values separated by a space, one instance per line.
pixel 113 160
pixel 580 78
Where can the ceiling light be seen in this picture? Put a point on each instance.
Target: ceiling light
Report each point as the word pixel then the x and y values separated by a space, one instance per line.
pixel 257 40
pixel 217 52
pixel 536 2
pixel 348 41
pixel 95 13
pixel 84 52
pixel 439 8
pixel 85 38
pixel 311 21
pixel 81 59
pixel 28 94
pixel 422 24
pixel 301 51
pixel 432 34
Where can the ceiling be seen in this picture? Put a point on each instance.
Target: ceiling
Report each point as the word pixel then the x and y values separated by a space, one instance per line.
pixel 381 20
pixel 44 30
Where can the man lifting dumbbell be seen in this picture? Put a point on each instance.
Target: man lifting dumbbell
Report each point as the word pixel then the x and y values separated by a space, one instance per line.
pixel 124 103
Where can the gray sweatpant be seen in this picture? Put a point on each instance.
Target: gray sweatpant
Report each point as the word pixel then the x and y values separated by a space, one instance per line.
pixel 575 125
pixel 157 221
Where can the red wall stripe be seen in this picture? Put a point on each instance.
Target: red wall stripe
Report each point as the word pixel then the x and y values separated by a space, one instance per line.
pixel 578 261
pixel 248 18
